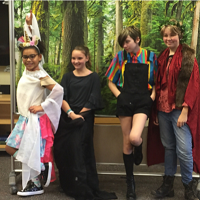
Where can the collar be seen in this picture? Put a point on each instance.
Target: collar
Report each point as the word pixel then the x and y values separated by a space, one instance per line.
pixel 136 54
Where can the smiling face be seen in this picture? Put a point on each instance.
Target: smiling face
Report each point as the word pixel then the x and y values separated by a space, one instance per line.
pixel 79 59
pixel 31 59
pixel 130 45
pixel 171 39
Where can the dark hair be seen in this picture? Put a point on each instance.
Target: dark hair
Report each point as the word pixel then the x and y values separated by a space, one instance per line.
pixel 131 31
pixel 40 46
pixel 86 52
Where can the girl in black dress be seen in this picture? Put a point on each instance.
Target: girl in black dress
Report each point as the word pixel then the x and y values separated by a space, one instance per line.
pixel 73 147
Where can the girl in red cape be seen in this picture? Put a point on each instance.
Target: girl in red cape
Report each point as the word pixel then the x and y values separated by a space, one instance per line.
pixel 177 110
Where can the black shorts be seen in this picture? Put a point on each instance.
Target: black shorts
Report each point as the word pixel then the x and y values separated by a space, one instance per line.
pixel 130 104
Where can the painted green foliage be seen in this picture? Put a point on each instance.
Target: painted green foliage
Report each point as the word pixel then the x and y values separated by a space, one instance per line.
pixel 92 23
pixel 73 31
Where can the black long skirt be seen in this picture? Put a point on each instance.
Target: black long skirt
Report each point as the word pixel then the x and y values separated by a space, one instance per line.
pixel 75 160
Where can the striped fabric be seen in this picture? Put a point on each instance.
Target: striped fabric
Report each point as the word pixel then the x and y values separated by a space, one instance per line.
pixel 115 72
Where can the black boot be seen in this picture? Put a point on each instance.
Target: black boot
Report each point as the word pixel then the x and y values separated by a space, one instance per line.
pixel 198 189
pixel 190 193
pixel 128 163
pixel 138 154
pixel 166 189
pixel 130 195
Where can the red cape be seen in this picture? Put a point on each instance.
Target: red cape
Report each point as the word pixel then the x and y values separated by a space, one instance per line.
pixel 155 150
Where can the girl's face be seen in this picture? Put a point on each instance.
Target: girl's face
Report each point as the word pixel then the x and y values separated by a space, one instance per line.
pixel 130 45
pixel 171 39
pixel 31 59
pixel 79 59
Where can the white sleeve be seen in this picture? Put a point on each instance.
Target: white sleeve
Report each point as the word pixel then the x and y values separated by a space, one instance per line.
pixel 52 105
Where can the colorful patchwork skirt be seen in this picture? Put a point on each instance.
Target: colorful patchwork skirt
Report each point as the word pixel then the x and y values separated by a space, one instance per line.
pixel 46 138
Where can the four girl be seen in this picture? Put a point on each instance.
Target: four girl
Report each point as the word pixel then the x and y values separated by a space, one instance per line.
pixel 133 70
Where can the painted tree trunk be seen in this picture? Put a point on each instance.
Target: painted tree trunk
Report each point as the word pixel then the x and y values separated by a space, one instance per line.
pixel 119 24
pixel 99 39
pixel 56 52
pixel 195 26
pixel 73 32
pixel 85 24
pixel 145 23
pixel 41 10
pixel 94 46
pixel 179 9
pixel 59 50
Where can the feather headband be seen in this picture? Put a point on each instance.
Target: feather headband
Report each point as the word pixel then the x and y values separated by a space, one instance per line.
pixel 26 42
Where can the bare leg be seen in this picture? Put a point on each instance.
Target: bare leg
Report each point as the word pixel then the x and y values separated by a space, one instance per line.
pixel 138 123
pixel 135 136
pixel 126 123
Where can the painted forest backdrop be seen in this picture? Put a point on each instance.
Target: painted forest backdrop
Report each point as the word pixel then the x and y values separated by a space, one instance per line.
pixel 97 24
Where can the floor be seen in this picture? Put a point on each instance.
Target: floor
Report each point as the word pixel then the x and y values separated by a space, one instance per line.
pixel 110 183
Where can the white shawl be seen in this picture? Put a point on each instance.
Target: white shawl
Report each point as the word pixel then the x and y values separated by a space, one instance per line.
pixel 30 93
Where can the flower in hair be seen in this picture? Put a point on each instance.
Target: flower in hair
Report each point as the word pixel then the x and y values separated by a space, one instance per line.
pixel 32 43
